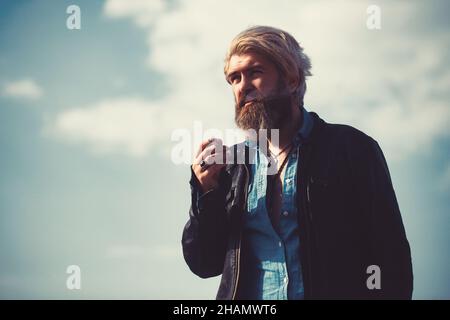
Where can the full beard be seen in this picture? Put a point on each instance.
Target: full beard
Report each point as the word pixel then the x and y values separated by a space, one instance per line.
pixel 266 113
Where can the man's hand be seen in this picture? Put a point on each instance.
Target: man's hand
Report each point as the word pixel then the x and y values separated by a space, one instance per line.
pixel 213 153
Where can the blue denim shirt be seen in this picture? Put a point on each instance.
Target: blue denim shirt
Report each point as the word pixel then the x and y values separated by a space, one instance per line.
pixel 273 269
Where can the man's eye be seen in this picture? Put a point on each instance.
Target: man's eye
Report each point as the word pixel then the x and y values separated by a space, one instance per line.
pixel 234 79
pixel 255 72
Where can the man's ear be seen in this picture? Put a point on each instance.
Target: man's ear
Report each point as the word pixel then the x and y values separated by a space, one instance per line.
pixel 293 84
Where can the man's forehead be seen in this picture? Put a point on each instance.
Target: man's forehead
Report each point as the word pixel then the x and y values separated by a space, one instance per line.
pixel 238 61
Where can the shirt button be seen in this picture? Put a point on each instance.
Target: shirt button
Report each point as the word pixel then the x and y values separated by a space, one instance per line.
pixel 285 213
pixel 285 279
pixel 279 244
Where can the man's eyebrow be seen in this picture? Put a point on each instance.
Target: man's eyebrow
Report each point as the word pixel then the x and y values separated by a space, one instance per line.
pixel 230 75
pixel 256 65
pixel 250 67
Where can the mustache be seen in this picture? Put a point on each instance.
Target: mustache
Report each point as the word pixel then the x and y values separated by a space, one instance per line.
pixel 269 101
pixel 242 101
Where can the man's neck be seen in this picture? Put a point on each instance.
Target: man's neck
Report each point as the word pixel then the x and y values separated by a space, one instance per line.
pixel 288 131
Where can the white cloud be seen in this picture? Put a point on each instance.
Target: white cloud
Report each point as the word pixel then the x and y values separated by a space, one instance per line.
pixel 25 88
pixel 144 11
pixel 125 124
pixel 157 252
pixel 389 83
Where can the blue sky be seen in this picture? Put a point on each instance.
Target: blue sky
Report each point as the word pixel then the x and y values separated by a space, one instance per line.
pixel 86 118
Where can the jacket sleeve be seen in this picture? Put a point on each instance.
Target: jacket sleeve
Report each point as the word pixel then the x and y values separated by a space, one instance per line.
pixel 389 245
pixel 205 234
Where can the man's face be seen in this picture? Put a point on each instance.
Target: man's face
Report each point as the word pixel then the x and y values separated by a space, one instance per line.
pixel 261 97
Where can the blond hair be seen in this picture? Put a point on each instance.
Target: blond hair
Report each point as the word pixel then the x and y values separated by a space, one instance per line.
pixel 279 47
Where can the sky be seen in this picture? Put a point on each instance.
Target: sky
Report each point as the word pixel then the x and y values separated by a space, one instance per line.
pixel 87 122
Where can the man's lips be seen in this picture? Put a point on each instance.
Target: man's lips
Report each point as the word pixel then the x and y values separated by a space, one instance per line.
pixel 246 102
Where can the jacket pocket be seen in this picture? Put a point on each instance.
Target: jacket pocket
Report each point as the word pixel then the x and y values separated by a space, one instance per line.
pixel 319 195
pixel 317 188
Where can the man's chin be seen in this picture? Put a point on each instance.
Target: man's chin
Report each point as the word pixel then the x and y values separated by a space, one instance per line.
pixel 255 124
pixel 257 129
pixel 269 113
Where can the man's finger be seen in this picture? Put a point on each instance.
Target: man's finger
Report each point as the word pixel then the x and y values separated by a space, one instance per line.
pixel 220 156
pixel 214 147
pixel 209 150
pixel 212 166
pixel 212 141
pixel 202 146
pixel 214 158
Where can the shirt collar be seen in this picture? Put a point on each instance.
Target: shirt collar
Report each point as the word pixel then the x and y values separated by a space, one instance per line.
pixel 305 129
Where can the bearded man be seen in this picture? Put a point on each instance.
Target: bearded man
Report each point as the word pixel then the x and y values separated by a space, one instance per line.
pixel 323 224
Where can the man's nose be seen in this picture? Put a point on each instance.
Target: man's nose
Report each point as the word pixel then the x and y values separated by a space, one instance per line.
pixel 245 87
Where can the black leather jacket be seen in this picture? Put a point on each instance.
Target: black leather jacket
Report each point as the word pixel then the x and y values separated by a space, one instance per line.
pixel 349 219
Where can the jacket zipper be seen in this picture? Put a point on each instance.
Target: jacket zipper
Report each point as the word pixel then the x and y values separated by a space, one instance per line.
pixel 238 250
pixel 308 227
pixel 309 200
